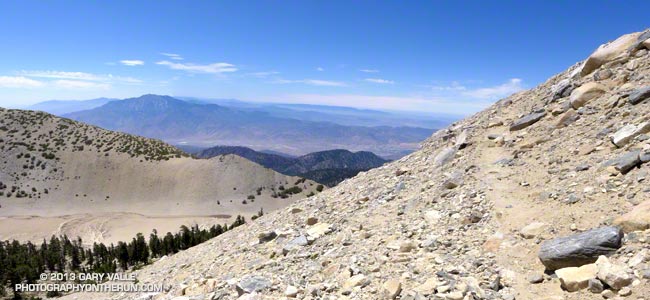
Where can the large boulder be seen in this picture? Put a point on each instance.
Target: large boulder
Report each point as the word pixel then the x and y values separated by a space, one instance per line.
pixel 574 279
pixel 629 132
pixel 609 52
pixel 639 95
pixel 527 120
pixel 585 93
pixel 637 219
pixel 580 249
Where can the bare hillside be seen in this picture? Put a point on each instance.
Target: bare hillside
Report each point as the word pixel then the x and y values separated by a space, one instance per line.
pixel 466 216
pixel 54 167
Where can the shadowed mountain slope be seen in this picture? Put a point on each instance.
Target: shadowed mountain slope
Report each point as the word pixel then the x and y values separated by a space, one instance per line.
pixel 327 167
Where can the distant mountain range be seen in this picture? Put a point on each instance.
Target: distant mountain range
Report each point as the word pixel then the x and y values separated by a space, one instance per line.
pixel 337 114
pixel 196 123
pixel 61 107
pixel 326 167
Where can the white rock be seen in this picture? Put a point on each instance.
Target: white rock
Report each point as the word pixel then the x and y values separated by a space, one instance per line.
pixel 629 132
pixel 576 278
pixel 356 280
pixel 319 229
pixel 391 289
pixel 616 276
pixel 533 230
pixel 291 291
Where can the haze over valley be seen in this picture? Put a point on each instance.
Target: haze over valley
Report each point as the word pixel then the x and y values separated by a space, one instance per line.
pixel 292 129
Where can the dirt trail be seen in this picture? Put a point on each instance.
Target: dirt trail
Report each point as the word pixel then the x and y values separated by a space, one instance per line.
pixel 512 196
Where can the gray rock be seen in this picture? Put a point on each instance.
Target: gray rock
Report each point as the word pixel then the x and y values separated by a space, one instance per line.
pixel 536 278
pixel 266 236
pixel 295 244
pixel 580 249
pixel 562 89
pixel 445 156
pixel 450 184
pixel 249 284
pixel 527 121
pixel 595 286
pixel 639 95
pixel 644 156
pixel 583 167
pixel 645 274
pixel 626 162
pixel 400 186
pixel 493 136
pixel 572 199
pixel 505 162
pixel 603 74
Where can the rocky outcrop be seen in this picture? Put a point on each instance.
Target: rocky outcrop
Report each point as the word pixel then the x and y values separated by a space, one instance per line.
pixel 608 52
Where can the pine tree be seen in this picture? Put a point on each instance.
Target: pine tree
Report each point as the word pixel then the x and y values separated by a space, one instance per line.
pixel 122 255
pixel 154 244
pixel 75 261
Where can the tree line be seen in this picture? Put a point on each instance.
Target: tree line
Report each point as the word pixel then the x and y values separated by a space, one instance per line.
pixel 24 262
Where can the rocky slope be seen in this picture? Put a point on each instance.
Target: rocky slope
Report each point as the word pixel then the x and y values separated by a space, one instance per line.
pixel 53 166
pixel 464 217
pixel 327 167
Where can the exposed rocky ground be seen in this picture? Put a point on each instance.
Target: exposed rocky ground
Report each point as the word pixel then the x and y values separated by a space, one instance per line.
pixel 465 216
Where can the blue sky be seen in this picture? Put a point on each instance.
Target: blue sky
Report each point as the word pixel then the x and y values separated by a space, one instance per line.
pixel 445 56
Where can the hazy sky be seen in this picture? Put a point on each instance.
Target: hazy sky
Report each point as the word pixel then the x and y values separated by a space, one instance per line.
pixel 446 56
